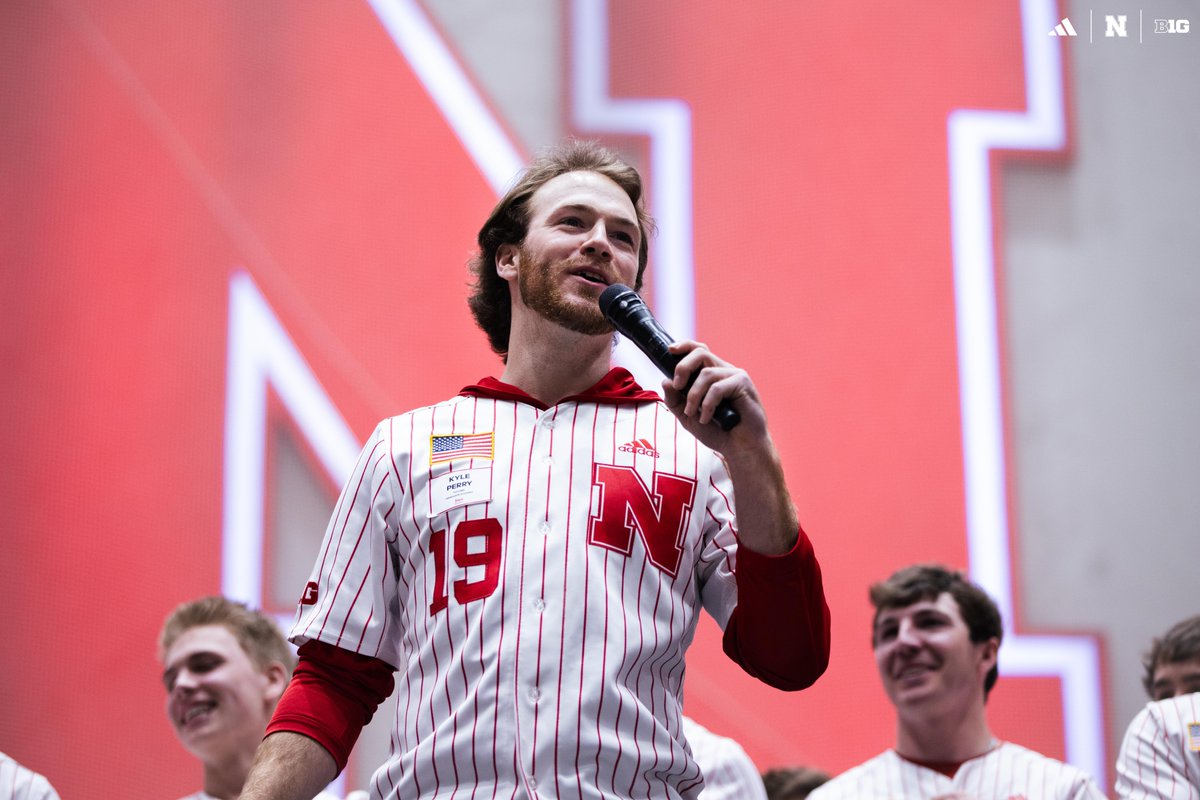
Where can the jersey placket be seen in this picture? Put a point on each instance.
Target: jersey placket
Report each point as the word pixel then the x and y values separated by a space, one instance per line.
pixel 534 701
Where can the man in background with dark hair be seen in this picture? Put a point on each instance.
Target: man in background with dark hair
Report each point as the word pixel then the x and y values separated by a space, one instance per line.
pixel 225 666
pixel 530 557
pixel 936 637
pixel 1172 666
pixel 1160 753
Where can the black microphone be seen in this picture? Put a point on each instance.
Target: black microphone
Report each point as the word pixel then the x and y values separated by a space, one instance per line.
pixel 630 315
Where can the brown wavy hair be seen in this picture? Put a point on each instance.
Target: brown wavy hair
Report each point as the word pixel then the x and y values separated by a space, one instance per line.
pixel 1180 643
pixel 489 300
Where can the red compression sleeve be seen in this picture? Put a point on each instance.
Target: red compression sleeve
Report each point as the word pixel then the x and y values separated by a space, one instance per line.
pixel 779 631
pixel 332 695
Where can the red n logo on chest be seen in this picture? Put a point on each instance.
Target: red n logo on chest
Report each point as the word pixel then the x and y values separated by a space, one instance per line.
pixel 627 506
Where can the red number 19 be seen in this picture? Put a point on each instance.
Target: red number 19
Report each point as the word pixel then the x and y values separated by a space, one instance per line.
pixel 490 533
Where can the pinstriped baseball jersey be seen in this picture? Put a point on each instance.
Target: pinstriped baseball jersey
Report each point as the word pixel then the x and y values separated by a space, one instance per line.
pixel 1007 772
pixel 1160 757
pixel 535 576
pixel 20 783
pixel 729 774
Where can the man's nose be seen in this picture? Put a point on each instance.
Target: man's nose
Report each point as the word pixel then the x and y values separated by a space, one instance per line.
pixel 597 243
pixel 185 680
pixel 906 635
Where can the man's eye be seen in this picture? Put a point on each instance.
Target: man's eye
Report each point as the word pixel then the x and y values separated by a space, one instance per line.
pixel 624 237
pixel 573 222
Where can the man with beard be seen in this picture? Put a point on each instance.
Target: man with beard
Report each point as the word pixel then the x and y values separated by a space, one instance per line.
pixel 936 638
pixel 530 557
pixel 225 667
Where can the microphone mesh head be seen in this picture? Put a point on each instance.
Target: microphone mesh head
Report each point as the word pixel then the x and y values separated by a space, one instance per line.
pixel 610 296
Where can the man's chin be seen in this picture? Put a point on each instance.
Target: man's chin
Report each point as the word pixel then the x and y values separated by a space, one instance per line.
pixel 588 321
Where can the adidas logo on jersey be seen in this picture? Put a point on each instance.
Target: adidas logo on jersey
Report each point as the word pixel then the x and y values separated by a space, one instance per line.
pixel 640 447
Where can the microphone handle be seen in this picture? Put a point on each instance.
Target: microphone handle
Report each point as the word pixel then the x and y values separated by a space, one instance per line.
pixel 655 348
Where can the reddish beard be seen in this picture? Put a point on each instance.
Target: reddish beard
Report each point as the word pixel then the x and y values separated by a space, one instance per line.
pixel 541 290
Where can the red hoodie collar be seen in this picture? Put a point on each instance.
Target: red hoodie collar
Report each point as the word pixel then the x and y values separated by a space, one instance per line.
pixel 618 386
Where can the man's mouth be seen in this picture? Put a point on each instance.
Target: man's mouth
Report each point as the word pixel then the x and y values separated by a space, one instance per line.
pixel 911 671
pixel 591 276
pixel 195 710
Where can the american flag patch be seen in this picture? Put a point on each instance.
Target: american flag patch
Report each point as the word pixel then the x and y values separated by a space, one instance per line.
pixel 1194 736
pixel 460 445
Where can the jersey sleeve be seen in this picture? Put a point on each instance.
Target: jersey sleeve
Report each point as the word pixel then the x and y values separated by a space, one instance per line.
pixel 1154 760
pixel 331 697
pixel 772 608
pixel 351 600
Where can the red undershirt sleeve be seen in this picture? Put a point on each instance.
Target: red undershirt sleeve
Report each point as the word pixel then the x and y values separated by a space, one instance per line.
pixel 779 631
pixel 332 695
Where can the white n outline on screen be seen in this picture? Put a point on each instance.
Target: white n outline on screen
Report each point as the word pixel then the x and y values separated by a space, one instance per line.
pixel 973 134
pixel 260 353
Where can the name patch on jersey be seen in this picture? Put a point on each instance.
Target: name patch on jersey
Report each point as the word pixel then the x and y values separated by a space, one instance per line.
pixel 460 488
pixel 1194 736
pixel 448 447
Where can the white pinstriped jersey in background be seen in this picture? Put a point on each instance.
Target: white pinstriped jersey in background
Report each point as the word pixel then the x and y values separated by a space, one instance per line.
pixel 1007 772
pixel 206 796
pixel 539 653
pixel 19 783
pixel 729 774
pixel 1160 757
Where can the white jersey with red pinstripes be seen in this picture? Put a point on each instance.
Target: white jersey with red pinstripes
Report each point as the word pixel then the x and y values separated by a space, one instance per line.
pixel 536 595
pixel 1160 757
pixel 1006 772
pixel 729 774
pixel 20 783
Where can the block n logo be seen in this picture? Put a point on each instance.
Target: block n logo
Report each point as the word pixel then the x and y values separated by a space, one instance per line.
pixel 626 506
pixel 1114 25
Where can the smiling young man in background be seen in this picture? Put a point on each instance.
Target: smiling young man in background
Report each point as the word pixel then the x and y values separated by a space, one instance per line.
pixel 225 666
pixel 936 637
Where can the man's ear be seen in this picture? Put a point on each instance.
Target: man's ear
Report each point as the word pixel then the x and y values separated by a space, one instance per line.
pixel 277 678
pixel 989 651
pixel 508 258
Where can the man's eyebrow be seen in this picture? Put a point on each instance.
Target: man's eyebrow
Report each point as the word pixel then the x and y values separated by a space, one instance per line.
pixel 620 220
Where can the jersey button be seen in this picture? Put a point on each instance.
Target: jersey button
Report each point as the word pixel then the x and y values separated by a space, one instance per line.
pixel 534 694
pixel 544 528
pixel 539 605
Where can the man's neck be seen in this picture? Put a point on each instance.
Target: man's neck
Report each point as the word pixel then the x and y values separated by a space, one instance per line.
pixel 551 362
pixel 945 739
pixel 226 781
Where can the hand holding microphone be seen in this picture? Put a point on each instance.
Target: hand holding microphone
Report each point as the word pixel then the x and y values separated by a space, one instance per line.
pixel 632 318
